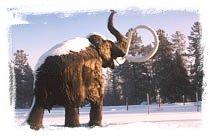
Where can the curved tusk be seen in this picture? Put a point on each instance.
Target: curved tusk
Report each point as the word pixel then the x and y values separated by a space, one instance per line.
pixel 151 54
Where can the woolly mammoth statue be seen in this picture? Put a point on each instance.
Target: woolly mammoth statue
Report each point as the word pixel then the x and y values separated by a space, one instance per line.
pixel 71 72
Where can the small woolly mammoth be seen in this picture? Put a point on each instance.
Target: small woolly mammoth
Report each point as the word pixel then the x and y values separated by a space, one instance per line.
pixel 71 72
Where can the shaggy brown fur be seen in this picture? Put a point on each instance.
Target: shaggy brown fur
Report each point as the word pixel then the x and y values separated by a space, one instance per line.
pixel 70 79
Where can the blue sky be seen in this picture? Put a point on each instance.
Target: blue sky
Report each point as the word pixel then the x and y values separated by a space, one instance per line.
pixel 46 30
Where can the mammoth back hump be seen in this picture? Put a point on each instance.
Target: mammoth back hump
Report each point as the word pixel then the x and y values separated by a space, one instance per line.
pixel 76 45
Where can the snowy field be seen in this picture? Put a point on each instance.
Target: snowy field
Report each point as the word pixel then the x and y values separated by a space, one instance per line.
pixel 170 120
pixel 168 115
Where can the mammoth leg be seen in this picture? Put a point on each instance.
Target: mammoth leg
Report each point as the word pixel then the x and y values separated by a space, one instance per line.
pixel 35 117
pixel 95 114
pixel 71 117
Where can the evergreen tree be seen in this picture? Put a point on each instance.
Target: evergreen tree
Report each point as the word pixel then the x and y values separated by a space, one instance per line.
pixel 23 79
pixel 163 67
pixel 179 46
pixel 181 79
pixel 178 43
pixel 196 55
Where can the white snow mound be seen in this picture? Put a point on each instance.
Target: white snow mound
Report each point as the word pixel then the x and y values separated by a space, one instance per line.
pixel 77 44
pixel 96 34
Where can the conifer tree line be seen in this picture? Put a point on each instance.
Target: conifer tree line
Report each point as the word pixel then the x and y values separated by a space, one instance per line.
pixel 174 71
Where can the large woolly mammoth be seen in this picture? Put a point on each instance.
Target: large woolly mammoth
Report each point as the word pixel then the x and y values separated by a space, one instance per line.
pixel 71 72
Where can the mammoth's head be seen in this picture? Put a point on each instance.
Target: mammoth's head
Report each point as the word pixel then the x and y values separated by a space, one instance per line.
pixel 107 50
pixel 110 51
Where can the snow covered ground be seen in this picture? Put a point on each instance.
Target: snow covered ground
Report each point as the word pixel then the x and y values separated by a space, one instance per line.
pixel 170 120
pixel 168 115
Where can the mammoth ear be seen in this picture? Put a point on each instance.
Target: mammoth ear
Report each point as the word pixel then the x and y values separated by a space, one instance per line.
pixel 103 46
pixel 95 40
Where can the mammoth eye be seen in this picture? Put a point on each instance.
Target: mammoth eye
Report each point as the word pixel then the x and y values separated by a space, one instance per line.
pixel 95 40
